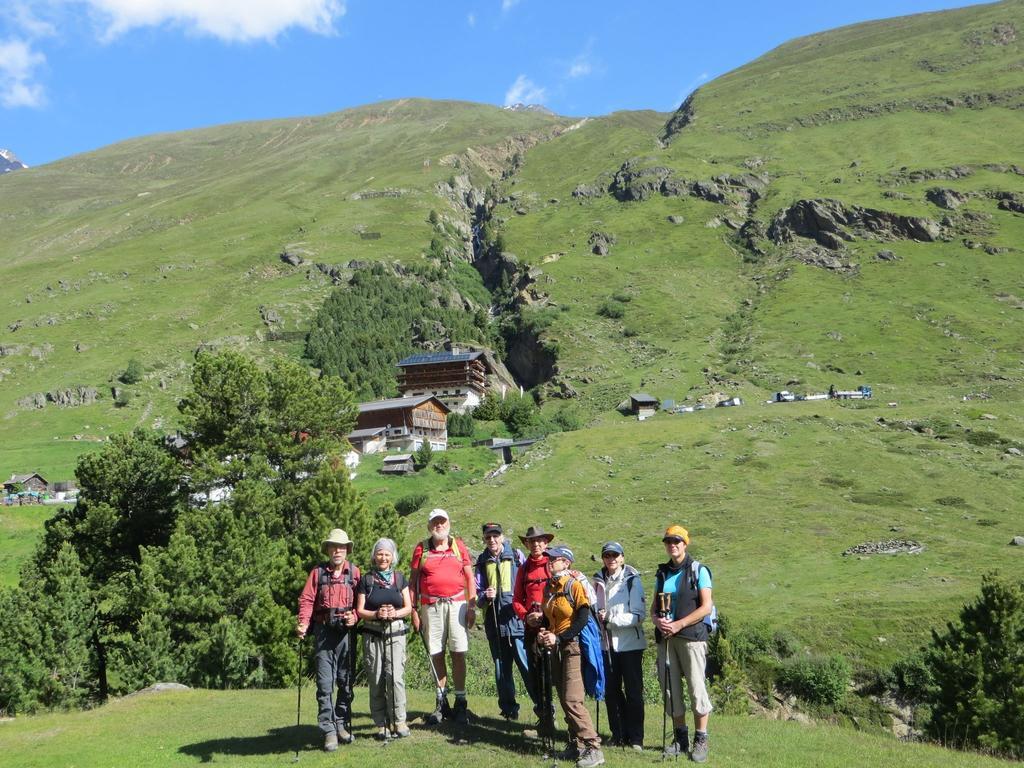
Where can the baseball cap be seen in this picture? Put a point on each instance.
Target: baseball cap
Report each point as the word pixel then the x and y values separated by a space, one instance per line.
pixel 561 551
pixel 612 546
pixel 490 528
pixel 435 513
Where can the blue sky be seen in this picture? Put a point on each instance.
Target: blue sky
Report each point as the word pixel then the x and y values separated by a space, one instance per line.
pixel 80 74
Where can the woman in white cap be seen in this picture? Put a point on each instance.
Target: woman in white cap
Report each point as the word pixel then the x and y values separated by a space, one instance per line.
pixel 382 602
pixel 328 601
pixel 621 610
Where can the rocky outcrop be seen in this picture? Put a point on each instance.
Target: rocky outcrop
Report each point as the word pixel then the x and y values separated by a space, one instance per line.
pixel 635 181
pixel 73 396
pixel 293 259
pixel 1009 201
pixel 586 191
pixel 949 199
pixel 682 118
pixel 831 223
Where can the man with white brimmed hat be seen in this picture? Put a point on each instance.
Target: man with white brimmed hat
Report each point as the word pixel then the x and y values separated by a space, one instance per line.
pixel 443 591
pixel 327 601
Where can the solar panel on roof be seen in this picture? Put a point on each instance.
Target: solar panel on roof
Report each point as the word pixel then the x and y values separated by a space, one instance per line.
pixel 438 357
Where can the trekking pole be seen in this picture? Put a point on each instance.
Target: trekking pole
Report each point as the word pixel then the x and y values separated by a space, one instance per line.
pixel 430 663
pixel 298 685
pixel 385 668
pixel 664 610
pixel 391 675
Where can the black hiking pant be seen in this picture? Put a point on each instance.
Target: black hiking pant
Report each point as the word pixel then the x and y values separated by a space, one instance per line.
pixel 333 667
pixel 624 696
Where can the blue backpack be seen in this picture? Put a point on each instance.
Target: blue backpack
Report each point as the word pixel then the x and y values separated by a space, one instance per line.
pixel 591 654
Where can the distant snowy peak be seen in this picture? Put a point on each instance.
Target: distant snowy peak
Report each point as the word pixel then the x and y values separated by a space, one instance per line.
pixel 529 108
pixel 9 162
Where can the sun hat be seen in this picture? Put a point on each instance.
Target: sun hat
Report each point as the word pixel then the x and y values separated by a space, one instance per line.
pixel 677 532
pixel 536 532
pixel 336 536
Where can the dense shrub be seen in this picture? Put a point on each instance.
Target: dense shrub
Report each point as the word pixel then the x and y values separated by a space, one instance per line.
pixel 611 309
pixel 406 505
pixel 816 679
pixel 133 373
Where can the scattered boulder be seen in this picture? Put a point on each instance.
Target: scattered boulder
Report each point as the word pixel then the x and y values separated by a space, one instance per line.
pixel 676 219
pixel 816 256
pixel 159 688
pixel 1017 541
pixel 270 317
pixel 886 255
pixel 601 242
pixel 291 258
pixel 949 199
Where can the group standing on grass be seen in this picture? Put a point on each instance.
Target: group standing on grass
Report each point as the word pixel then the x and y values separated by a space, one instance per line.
pixel 538 616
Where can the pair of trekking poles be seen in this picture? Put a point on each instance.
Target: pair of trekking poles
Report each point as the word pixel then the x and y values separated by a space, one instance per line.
pixel 667 701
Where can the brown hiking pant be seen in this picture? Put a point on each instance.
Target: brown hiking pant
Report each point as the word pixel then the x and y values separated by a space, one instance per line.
pixel 567 673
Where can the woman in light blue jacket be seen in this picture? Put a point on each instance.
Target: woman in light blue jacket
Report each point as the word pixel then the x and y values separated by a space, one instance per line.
pixel 621 609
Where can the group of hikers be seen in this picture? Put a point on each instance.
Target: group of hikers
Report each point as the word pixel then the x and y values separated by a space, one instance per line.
pixel 540 615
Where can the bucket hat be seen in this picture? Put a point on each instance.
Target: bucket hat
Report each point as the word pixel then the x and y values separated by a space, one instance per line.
pixel 336 536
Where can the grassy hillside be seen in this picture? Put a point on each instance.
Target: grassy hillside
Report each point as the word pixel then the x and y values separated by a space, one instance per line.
pixel 258 728
pixel 153 247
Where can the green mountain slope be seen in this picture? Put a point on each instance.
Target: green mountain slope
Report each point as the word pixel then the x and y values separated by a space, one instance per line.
pixel 155 246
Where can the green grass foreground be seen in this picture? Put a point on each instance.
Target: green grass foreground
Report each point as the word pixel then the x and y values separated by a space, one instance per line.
pixel 258 728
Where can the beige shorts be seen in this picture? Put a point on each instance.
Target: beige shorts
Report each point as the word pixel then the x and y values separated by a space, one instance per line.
pixel 690 658
pixel 444 624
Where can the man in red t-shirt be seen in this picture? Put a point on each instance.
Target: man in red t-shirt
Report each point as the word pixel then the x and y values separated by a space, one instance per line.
pixel 528 596
pixel 444 600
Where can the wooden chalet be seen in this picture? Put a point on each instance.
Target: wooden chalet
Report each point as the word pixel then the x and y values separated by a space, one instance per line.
pixel 643 405
pixel 456 378
pixel 399 464
pixel 33 482
pixel 408 422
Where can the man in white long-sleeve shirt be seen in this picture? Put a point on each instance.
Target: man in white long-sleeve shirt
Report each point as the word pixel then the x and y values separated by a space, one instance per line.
pixel 621 612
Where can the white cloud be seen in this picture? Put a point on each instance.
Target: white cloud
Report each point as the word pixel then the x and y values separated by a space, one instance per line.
pixel 229 20
pixel 471 19
pixel 580 67
pixel 18 63
pixel 508 5
pixel 524 91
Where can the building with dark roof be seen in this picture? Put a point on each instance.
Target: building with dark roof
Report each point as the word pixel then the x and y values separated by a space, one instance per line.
pixel 457 378
pixel 407 422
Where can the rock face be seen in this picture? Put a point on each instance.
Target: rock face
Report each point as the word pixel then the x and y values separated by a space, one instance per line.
pixel 8 162
pixel 831 223
pixel 635 181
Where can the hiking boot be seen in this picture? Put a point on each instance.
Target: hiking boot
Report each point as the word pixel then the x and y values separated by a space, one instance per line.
pixel 571 752
pixel 461 712
pixel 330 741
pixel 700 748
pixel 637 747
pixel 344 737
pixel 382 734
pixel 681 745
pixel 441 711
pixel 402 731
pixel 591 757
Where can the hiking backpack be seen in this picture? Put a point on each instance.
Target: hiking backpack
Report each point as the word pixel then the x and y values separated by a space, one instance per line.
pixel 591 652
pixel 711 620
